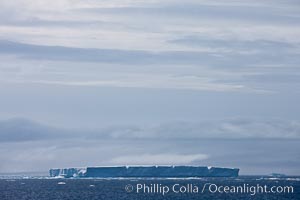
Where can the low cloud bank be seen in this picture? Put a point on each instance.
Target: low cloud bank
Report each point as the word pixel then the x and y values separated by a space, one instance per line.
pixel 15 130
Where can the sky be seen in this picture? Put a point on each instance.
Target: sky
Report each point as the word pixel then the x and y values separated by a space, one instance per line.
pixel 136 82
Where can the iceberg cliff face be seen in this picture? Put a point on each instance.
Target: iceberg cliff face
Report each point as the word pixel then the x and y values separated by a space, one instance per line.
pixel 145 171
pixel 68 172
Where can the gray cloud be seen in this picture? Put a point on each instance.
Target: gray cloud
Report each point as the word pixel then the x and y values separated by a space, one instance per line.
pixel 258 14
pixel 40 52
pixel 206 51
pixel 36 22
pixel 225 129
pixel 253 156
pixel 267 46
pixel 100 55
pixel 25 130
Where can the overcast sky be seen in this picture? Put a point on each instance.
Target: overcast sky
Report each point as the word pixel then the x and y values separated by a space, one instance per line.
pixel 150 82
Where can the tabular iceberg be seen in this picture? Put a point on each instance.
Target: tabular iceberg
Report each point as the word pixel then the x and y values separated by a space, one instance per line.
pixel 144 171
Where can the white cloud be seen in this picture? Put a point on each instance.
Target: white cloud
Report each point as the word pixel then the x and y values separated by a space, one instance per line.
pixel 154 82
pixel 158 159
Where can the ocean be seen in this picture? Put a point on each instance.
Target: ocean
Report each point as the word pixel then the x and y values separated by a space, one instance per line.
pixel 243 187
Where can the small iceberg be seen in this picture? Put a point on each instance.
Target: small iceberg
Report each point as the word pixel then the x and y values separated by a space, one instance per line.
pixel 277 175
pixel 61 183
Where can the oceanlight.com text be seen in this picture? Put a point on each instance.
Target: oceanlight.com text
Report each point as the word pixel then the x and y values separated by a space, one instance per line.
pixel 157 188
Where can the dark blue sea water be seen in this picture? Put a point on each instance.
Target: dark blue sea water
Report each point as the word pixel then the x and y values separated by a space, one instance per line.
pixel 206 188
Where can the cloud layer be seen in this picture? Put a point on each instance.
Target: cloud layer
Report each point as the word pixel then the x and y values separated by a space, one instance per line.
pixel 15 130
pixel 200 82
pixel 201 45
pixel 30 146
